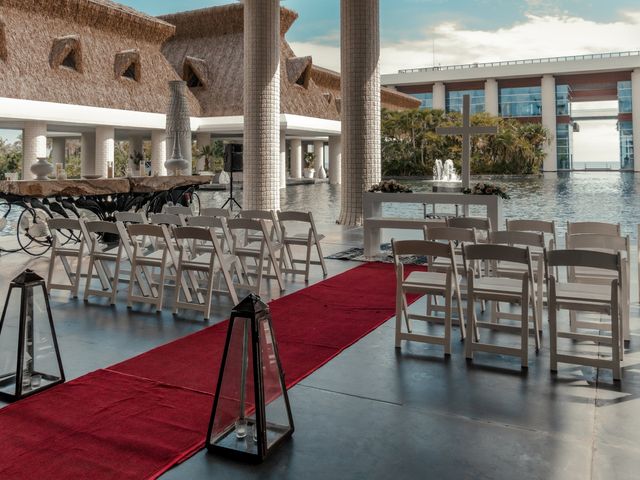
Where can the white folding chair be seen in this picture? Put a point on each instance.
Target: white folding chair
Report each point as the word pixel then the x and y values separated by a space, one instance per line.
pixel 546 227
pixel 223 234
pixel 101 254
pixel 144 260
pixel 215 212
pixel 207 264
pixel 601 299
pixel 608 244
pixel 260 250
pixel 67 244
pixel 309 239
pixel 443 284
pixel 482 225
pixel 500 289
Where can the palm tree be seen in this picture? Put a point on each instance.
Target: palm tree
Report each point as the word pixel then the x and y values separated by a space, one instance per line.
pixel 206 152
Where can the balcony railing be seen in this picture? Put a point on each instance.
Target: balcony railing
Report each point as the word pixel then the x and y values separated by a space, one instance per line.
pixel 590 56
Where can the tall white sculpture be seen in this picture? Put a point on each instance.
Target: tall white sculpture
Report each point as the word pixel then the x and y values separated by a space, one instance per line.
pixel 178 129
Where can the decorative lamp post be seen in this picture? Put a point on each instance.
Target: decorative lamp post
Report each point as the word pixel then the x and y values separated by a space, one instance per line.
pixel 251 413
pixel 29 354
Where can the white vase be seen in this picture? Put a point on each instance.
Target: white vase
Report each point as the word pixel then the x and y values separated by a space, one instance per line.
pixel 41 169
pixel 309 172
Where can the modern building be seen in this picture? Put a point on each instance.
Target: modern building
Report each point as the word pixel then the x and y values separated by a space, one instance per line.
pixel 99 71
pixel 539 90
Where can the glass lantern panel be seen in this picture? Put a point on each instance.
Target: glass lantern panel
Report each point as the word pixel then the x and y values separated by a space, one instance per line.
pixel 9 343
pixel 40 363
pixel 234 418
pixel 276 413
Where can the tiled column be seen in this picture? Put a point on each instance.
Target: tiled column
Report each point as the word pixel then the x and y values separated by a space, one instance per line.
pixel 262 104
pixel 491 96
pixel 158 152
pixel 283 159
pixel 548 87
pixel 105 149
pixel 202 139
pixel 58 145
pixel 87 153
pixel 318 149
pixel 635 120
pixel 34 146
pixel 296 158
pixel 335 160
pixel 136 144
pixel 360 66
pixel 439 96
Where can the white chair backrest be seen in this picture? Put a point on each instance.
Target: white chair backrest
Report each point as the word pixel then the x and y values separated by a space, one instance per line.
pixel 478 223
pixel 543 226
pixel 157 231
pixel 585 258
pixel 290 216
pixel 130 217
pixel 177 210
pixel 518 238
pixel 204 221
pixel 65 229
pixel 451 233
pixel 215 212
pixel 421 248
pixel 169 219
pixel 493 252
pixel 102 227
pixel 605 243
pixel 601 228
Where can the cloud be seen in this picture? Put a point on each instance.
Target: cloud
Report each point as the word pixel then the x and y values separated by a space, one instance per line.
pixel 535 36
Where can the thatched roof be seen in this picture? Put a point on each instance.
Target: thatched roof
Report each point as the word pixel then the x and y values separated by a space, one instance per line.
pixel 215 36
pixel 85 52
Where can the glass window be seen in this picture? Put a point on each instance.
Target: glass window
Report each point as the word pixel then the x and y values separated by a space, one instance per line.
pixel 626 145
pixel 425 98
pixel 521 102
pixel 624 97
pixel 563 148
pixel 454 100
pixel 563 100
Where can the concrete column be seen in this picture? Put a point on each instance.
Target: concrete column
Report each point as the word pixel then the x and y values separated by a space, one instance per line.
pixel 202 139
pixel 58 145
pixel 296 158
pixel 87 153
pixel 635 112
pixel 439 96
pixel 105 149
pixel 318 149
pixel 34 146
pixel 136 144
pixel 261 104
pixel 158 152
pixel 548 85
pixel 360 67
pixel 491 97
pixel 335 160
pixel 283 159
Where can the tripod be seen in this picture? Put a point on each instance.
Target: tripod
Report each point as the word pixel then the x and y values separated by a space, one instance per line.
pixel 231 201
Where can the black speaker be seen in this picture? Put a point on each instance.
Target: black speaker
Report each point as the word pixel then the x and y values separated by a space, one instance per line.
pixel 233 157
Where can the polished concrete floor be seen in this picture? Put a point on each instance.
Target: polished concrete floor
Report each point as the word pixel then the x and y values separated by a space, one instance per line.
pixel 377 412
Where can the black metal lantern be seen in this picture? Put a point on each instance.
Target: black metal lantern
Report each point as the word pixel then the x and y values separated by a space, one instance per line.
pixel 251 412
pixel 29 355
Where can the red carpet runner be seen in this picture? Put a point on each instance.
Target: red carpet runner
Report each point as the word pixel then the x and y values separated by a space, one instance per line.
pixel 140 417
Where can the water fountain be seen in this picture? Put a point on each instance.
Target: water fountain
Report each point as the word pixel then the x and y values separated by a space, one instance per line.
pixel 445 178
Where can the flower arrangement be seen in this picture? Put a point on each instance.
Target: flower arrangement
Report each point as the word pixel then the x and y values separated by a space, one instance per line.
pixel 486 189
pixel 390 186
pixel 137 158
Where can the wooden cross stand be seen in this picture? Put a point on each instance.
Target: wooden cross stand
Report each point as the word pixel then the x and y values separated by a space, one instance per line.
pixel 467 130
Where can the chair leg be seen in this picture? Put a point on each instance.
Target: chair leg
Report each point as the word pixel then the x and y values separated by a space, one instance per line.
pixel 463 332
pixel 471 319
pixel 321 257
pixel 524 338
pixel 78 275
pixel 132 280
pixel 447 321
pixel 308 263
pixel 87 286
pixel 161 289
pixel 553 334
pixel 399 310
pixel 52 262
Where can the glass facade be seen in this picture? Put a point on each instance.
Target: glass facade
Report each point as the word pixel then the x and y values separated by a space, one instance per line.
pixel 626 145
pixel 425 98
pixel 563 100
pixel 624 97
pixel 563 142
pixel 454 100
pixel 521 102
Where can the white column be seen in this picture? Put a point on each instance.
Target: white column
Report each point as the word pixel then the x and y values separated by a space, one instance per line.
pixel 34 146
pixel 335 160
pixel 491 97
pixel 548 85
pixel 262 104
pixel 136 144
pixel 202 139
pixel 58 145
pixel 318 150
pixel 283 159
pixel 158 152
pixel 105 149
pixel 296 158
pixel 360 67
pixel 87 153
pixel 439 96
pixel 635 112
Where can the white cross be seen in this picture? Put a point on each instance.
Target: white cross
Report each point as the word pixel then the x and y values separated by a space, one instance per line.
pixel 466 131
